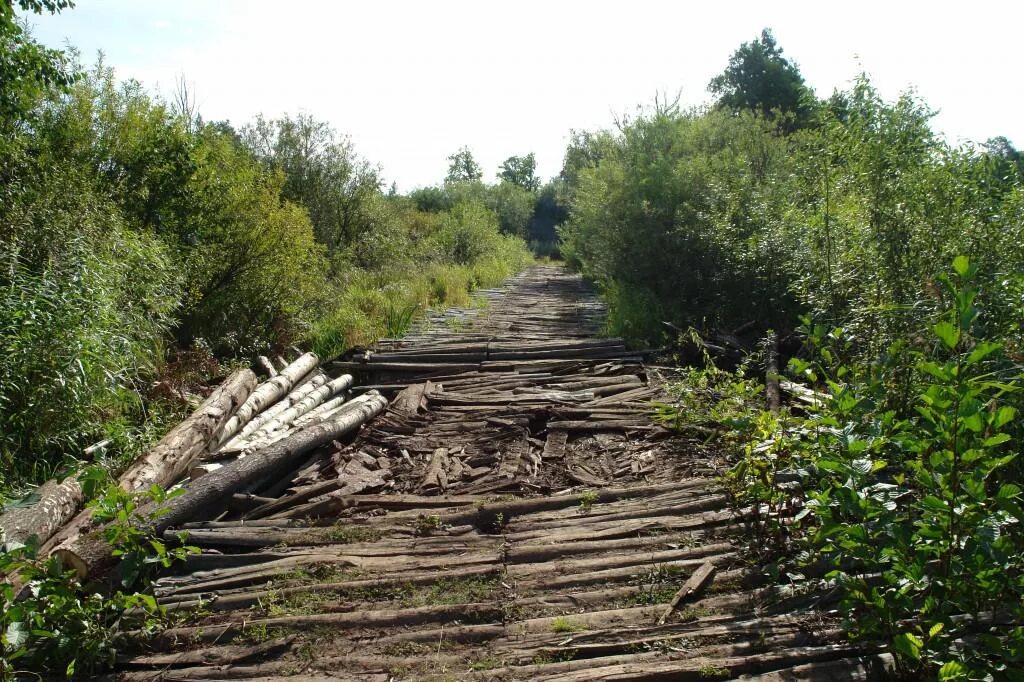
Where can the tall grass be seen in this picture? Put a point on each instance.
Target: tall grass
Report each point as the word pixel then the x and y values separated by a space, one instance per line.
pixel 372 306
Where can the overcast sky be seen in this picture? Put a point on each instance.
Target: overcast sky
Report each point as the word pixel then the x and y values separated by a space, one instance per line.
pixel 411 82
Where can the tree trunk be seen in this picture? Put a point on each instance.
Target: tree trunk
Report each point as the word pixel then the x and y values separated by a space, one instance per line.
pixel 58 502
pixel 268 393
pixel 175 454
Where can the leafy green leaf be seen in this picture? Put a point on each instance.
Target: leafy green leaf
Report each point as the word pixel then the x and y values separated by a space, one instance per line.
pixel 962 265
pixel 952 670
pixel 908 645
pixel 948 333
pixel 17 635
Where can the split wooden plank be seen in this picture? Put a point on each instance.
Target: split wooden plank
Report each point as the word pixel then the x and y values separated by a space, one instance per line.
pixel 700 578
pixel 436 476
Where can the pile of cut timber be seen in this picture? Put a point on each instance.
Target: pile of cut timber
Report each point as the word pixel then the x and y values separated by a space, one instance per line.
pixel 246 442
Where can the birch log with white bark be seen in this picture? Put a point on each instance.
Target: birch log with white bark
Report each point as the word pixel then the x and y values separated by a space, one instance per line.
pixel 90 556
pixel 58 502
pixel 174 455
pixel 268 393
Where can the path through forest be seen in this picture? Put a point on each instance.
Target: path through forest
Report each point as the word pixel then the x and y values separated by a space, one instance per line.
pixel 513 515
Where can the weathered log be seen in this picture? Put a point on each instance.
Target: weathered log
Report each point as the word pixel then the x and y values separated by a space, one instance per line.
pixel 264 363
pixel 58 502
pixel 609 425
pixel 410 367
pixel 486 515
pixel 172 457
pixel 268 393
pixel 89 555
pixel 220 655
pixel 245 599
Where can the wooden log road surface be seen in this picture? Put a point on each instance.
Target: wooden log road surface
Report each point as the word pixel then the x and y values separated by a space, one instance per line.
pixel 514 514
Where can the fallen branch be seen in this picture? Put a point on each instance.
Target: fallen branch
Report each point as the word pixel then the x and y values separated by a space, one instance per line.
pixel 701 577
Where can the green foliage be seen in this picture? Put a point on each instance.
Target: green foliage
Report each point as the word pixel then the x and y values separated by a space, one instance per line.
pixel 679 221
pixel 28 71
pixel 760 79
pixel 936 536
pixel 446 257
pixel 520 171
pixel 52 624
pixel 514 206
pixel 716 220
pixel 84 306
pixel 914 507
pixel 462 167
pixel 322 173
pixel 126 521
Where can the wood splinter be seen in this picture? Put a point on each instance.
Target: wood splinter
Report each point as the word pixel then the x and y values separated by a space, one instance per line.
pixel 701 577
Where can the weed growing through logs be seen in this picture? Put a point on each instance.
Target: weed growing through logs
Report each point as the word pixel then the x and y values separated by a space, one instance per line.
pixel 427 524
pixel 587 500
pixel 562 624
pixel 345 533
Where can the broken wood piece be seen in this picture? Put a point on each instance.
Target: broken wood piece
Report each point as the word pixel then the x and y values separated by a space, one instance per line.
pixel 554 445
pixel 701 577
pixel 264 363
pixel 436 475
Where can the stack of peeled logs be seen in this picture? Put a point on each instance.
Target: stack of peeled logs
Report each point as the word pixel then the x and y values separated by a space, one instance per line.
pixel 245 438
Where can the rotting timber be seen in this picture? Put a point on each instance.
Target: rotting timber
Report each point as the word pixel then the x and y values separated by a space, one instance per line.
pixel 513 514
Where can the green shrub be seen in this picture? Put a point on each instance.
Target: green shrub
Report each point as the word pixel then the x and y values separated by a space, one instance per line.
pixel 84 306
pixel 51 624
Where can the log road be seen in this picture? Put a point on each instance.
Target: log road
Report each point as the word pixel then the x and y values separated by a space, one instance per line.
pixel 514 514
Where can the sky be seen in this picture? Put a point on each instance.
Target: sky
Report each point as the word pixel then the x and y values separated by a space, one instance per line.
pixel 412 82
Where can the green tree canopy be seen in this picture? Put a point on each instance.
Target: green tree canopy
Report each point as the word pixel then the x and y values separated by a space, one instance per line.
pixel 462 167
pixel 27 69
pixel 759 78
pixel 321 170
pixel 520 170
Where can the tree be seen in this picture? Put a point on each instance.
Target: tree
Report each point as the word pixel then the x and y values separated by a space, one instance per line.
pixel 759 78
pixel 27 69
pixel 520 170
pixel 462 167
pixel 513 204
pixel 322 172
